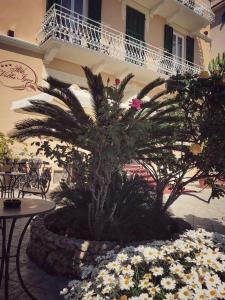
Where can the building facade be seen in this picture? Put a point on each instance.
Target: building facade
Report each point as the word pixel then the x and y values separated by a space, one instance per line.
pixel 217 28
pixel 115 37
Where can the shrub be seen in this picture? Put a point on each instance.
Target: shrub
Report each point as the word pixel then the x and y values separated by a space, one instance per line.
pixel 131 213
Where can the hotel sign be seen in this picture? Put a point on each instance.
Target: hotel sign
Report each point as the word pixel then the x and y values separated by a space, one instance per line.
pixel 17 75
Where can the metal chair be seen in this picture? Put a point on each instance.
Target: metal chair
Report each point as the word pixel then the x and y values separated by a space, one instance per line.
pixel 40 188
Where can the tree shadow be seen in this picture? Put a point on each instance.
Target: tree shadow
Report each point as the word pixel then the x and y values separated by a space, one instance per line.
pixel 209 224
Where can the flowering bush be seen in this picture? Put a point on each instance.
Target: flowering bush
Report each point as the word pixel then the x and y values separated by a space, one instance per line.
pixel 192 267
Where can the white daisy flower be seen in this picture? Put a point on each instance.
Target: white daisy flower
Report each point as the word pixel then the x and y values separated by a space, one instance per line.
pixel 64 291
pixel 125 282
pixel 212 280
pixel 200 294
pixel 114 265
pixel 107 290
pixel 144 297
pixel 157 271
pixel 144 284
pixel 109 280
pixel 221 290
pixel 122 257
pixel 150 253
pixel 136 259
pixel 168 283
pixel 88 296
pixel 127 270
pixel 154 290
pixel 212 293
pixel 177 269
pixel 185 293
pixel 169 296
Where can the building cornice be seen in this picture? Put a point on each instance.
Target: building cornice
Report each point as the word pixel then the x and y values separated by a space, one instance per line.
pixel 18 43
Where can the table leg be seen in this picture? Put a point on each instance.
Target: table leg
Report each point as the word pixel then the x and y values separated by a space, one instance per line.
pixel 3 252
pixel 5 258
pixel 18 260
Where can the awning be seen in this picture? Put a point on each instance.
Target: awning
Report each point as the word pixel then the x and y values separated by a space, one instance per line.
pixel 83 96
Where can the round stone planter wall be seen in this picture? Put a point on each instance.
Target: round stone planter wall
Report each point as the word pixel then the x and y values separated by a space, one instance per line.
pixel 60 255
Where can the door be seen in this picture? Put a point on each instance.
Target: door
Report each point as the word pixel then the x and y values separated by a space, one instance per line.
pixel 94 19
pixel 73 6
pixel 178 46
pixel 135 30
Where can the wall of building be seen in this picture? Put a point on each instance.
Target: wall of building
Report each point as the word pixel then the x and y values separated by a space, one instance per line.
pixel 13 89
pixel 217 33
pixel 24 17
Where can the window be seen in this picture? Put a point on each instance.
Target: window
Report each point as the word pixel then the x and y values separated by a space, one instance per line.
pixel 178 45
pixel 78 6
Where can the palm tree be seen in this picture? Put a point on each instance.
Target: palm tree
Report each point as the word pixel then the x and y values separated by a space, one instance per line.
pixel 112 137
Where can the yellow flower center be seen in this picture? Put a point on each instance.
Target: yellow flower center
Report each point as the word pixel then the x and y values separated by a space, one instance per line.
pixel 213 293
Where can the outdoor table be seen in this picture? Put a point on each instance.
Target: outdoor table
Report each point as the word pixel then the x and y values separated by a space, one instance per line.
pixel 8 187
pixel 29 208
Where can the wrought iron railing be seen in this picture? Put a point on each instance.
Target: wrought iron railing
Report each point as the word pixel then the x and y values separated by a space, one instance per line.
pixel 201 8
pixel 70 27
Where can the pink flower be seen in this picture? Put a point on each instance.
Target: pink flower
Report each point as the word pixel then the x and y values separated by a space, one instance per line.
pixel 136 103
pixel 117 81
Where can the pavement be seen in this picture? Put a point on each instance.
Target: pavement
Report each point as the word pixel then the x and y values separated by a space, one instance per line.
pixel 199 213
pixel 47 287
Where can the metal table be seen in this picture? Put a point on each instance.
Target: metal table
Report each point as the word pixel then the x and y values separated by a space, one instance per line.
pixel 29 208
pixel 8 187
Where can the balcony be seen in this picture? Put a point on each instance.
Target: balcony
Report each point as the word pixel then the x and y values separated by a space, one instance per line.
pixel 72 37
pixel 201 8
pixel 191 15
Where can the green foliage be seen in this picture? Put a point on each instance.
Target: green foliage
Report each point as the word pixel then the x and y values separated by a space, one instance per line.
pixel 217 65
pixel 159 135
pixel 5 147
pixel 131 212
pixel 112 138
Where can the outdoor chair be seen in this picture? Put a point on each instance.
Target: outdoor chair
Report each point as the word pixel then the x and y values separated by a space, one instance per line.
pixel 40 188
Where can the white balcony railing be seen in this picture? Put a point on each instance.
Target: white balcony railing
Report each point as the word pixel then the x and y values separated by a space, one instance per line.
pixel 70 27
pixel 201 8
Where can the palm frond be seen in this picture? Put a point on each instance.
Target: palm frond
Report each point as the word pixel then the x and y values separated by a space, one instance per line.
pixel 96 87
pixel 70 100
pixel 123 85
pixel 157 82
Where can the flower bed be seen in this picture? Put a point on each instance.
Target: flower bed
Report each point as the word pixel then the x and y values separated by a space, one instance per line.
pixel 192 267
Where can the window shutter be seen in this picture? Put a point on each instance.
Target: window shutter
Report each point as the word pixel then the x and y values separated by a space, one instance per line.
pixel 135 24
pixel 78 6
pixel 190 49
pixel 168 39
pixel 95 10
pixel 49 3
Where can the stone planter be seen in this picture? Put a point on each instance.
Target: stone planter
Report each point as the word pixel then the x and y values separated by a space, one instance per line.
pixel 60 255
